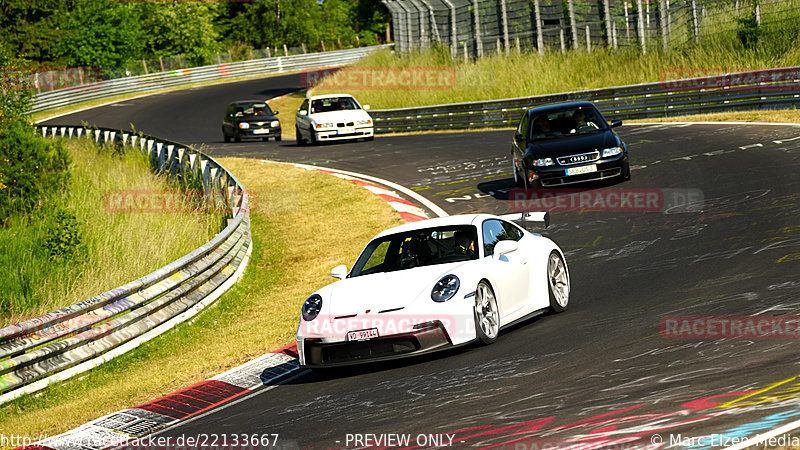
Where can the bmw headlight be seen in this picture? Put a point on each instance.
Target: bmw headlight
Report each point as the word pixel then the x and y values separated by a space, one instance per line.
pixel 543 162
pixel 274 124
pixel 364 122
pixel 244 125
pixel 613 151
pixel 312 307
pixel 445 288
pixel 324 125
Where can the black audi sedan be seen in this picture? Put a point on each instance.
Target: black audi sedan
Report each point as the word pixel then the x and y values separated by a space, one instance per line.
pixel 567 143
pixel 251 119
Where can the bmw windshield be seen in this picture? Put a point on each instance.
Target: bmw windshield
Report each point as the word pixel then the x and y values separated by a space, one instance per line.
pixel 425 247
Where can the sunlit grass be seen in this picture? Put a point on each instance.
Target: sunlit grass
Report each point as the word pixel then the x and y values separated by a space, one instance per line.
pixel 720 50
pixel 115 248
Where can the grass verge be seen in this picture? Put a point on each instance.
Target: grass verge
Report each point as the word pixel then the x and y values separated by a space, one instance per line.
pixel 72 247
pixel 288 106
pixel 305 223
pixel 528 73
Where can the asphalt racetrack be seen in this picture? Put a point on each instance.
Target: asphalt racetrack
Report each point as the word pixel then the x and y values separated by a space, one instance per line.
pixel 724 242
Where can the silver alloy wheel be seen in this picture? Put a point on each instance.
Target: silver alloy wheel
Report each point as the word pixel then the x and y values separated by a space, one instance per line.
pixel 558 279
pixel 488 318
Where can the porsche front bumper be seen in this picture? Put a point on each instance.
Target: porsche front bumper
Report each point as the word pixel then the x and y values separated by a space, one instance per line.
pixel 319 353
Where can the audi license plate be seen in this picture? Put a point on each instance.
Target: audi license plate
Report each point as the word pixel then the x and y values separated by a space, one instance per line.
pixel 261 131
pixel 361 335
pixel 582 169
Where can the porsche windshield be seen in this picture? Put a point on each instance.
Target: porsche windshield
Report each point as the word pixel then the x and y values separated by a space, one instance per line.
pixel 417 248
pixel 568 122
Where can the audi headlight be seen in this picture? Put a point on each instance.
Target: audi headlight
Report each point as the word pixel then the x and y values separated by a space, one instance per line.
pixel 613 151
pixel 274 124
pixel 543 162
pixel 312 307
pixel 324 125
pixel 445 288
pixel 244 125
pixel 364 122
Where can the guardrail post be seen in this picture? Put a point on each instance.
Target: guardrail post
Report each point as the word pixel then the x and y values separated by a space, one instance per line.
pixel 662 9
pixel 588 39
pixel 539 36
pixel 642 37
pixel 505 26
pixel 607 14
pixel 478 41
pixel 572 25
pixel 453 30
pixel 758 12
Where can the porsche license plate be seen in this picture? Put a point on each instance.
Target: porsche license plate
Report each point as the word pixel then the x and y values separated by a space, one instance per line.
pixel 361 335
pixel 582 169
pixel 261 131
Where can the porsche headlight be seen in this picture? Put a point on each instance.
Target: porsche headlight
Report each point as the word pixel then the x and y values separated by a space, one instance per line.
pixel 312 307
pixel 244 125
pixel 613 151
pixel 445 288
pixel 543 162
pixel 274 124
pixel 324 125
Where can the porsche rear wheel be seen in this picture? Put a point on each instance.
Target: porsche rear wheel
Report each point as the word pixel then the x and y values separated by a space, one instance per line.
pixel 557 282
pixel 487 316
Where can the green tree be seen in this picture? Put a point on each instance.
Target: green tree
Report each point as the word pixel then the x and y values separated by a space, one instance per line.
pixel 32 29
pixel 103 34
pixel 181 28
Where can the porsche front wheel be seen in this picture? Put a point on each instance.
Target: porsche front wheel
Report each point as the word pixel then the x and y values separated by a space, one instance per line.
pixel 557 282
pixel 487 317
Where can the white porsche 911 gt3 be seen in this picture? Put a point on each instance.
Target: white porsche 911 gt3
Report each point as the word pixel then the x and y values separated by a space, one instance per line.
pixel 431 285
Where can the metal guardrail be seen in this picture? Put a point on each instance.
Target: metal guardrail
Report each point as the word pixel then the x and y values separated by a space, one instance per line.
pixel 76 338
pixel 762 89
pixel 190 76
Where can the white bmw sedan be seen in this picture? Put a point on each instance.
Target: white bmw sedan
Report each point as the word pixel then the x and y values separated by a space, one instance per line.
pixel 323 118
pixel 432 285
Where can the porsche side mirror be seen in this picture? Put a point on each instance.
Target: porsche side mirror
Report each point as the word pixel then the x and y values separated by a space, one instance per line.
pixel 302 112
pixel 519 137
pixel 616 123
pixel 275 113
pixel 339 272
pixel 504 247
pixel 366 107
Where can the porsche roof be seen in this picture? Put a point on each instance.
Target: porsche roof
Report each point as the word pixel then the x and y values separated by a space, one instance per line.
pixel 460 219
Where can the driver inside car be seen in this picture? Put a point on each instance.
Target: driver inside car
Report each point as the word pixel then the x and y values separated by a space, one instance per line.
pixel 464 245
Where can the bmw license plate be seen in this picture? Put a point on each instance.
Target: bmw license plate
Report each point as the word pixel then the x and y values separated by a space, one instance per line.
pixel 347 130
pixel 582 169
pixel 261 131
pixel 361 335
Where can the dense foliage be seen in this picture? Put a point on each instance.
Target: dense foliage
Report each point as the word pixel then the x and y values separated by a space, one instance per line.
pixel 30 167
pixel 109 34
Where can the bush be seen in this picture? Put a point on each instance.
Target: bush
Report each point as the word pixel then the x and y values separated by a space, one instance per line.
pixel 63 238
pixel 31 168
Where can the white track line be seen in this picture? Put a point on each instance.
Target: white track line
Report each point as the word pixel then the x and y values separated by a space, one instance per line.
pixel 428 204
